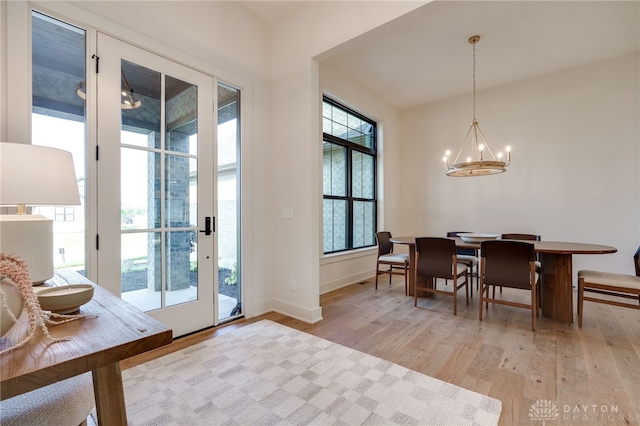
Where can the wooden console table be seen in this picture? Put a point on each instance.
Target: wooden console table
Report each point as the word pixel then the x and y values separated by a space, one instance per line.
pixel 95 344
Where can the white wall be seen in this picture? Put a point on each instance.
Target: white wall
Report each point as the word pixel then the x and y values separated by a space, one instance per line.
pixel 340 270
pixel 296 40
pixel 575 171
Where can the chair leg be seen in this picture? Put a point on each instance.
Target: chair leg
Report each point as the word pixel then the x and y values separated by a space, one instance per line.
pixel 406 283
pixel 580 300
pixel 466 280
pixel 390 274
pixel 537 301
pixel 481 294
pixel 377 273
pixel 477 274
pixel 534 307
pixel 533 320
pixel 455 296
pixel 486 297
pixel 539 293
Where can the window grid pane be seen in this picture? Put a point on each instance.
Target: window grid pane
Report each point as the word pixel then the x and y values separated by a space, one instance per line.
pixel 362 176
pixel 363 224
pixel 335 225
pixel 334 167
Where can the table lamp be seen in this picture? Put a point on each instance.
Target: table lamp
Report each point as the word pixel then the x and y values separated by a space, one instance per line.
pixel 32 175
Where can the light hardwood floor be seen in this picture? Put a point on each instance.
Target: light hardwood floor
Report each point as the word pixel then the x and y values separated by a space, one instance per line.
pixel 591 375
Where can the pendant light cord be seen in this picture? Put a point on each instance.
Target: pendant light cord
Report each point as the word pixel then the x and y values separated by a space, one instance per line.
pixel 474 80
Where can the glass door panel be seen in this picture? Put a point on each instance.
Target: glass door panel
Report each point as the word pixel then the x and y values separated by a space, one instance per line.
pixel 229 264
pixel 140 203
pixel 140 186
pixel 159 177
pixel 164 127
pixel 138 274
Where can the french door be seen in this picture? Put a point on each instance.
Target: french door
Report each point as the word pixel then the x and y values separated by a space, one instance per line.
pixel 156 177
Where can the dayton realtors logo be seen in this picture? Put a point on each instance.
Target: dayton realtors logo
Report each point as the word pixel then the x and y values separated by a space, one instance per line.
pixel 544 410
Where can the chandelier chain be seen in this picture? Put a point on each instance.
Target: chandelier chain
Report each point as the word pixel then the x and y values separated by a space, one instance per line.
pixel 474 81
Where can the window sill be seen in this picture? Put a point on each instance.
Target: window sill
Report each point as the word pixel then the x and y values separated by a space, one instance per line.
pixel 348 255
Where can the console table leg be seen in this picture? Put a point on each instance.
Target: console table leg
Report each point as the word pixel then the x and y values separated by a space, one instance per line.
pixel 109 394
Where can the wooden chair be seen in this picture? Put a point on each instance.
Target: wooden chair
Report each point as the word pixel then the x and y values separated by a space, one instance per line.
pixel 467 256
pixel 610 284
pixel 395 261
pixel 509 264
pixel 526 237
pixel 437 258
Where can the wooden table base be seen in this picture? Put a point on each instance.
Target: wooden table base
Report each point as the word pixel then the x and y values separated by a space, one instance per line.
pixel 557 287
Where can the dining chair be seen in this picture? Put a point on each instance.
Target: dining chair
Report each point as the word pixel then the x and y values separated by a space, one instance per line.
pixel 467 256
pixel 395 261
pixel 611 284
pixel 437 258
pixel 525 237
pixel 509 264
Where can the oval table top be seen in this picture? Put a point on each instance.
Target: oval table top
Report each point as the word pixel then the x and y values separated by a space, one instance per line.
pixel 558 247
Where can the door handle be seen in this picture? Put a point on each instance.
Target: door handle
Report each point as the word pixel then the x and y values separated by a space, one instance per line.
pixel 207 225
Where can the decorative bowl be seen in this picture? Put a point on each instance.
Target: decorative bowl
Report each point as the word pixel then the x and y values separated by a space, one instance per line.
pixel 477 238
pixel 65 299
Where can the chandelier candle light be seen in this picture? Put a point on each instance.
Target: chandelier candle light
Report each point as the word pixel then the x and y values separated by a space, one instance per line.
pixel 481 161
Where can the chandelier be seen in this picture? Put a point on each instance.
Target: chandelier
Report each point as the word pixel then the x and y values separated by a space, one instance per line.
pixel 479 160
pixel 127 97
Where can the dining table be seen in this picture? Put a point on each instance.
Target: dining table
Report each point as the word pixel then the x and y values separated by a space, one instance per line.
pixel 556 274
pixel 112 330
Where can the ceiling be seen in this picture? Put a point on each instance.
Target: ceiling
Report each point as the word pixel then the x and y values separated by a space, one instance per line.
pixel 425 55
pixel 271 11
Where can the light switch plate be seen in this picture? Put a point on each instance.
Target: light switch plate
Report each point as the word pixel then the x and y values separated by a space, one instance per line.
pixel 287 212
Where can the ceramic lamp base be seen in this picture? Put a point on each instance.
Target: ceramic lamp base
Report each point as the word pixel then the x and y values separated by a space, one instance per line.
pixel 29 237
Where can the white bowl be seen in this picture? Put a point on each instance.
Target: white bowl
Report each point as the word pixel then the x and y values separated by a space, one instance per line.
pixel 477 238
pixel 65 299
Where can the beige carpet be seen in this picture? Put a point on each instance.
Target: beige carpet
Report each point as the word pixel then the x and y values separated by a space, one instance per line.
pixel 269 374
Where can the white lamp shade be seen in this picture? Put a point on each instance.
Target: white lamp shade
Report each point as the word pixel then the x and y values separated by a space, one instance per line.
pixel 34 175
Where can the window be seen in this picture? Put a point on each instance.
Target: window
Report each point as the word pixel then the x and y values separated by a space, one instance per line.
pixel 348 178
pixel 65 214
pixel 58 121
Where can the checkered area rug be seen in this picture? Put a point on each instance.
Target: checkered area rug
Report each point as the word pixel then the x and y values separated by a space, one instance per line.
pixel 269 374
